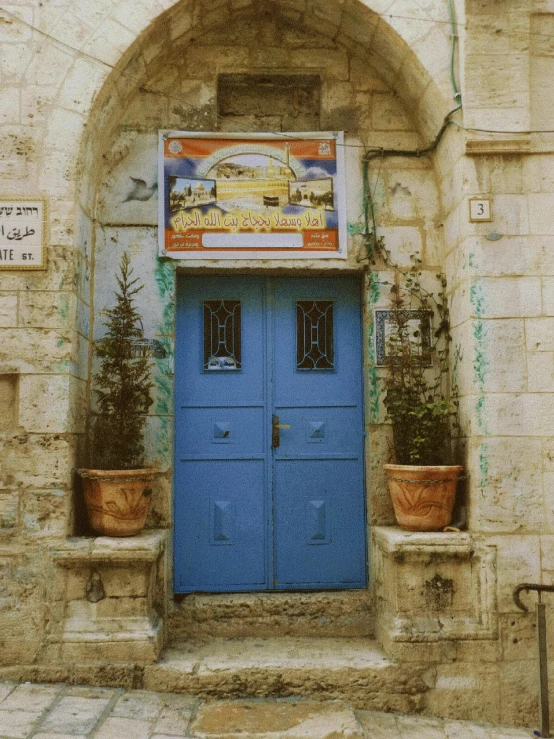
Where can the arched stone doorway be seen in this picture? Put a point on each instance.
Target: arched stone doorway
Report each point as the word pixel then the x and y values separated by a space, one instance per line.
pixel 205 68
pixel 369 82
pixel 321 67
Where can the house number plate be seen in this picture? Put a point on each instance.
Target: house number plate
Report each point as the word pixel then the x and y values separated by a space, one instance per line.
pixel 480 209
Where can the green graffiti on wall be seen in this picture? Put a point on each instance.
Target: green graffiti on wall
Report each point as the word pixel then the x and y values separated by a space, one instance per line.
pixel 355 228
pixel 63 308
pixel 477 298
pixel 374 382
pixel 163 436
pixel 483 465
pixel 165 280
pixel 163 396
pixel 480 414
pixel 480 361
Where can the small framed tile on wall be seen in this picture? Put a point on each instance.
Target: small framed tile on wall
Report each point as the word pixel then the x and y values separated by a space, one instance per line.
pixel 417 323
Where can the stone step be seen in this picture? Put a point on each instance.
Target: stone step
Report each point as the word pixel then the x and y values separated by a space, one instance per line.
pixel 355 670
pixel 342 613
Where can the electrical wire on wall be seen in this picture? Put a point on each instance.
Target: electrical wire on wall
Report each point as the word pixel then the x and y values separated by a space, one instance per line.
pixel 370 225
pixel 457 93
pixel 184 102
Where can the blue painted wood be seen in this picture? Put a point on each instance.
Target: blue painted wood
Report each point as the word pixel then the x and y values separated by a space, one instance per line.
pixel 221 481
pixel 248 517
pixel 319 526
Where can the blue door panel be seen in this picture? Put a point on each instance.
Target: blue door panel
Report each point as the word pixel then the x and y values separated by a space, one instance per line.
pixel 311 388
pixel 319 432
pixel 221 446
pixel 198 387
pixel 223 432
pixel 220 530
pixel 317 540
pixel 318 483
pixel 249 516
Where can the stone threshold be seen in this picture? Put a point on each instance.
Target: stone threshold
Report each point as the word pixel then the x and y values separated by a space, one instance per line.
pixel 355 670
pixel 330 613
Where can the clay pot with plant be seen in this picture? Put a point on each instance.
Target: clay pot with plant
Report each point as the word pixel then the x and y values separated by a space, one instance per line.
pixel 118 487
pixel 423 413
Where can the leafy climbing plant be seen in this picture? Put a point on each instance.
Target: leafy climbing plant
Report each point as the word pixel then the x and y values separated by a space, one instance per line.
pixel 123 387
pixel 419 405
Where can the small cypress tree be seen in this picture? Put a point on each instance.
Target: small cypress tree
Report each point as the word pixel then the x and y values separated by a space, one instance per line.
pixel 123 385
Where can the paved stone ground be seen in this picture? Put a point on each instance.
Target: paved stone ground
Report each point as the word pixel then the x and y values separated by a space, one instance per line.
pixel 70 712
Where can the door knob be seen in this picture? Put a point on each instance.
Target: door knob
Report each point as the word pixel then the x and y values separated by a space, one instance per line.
pixel 276 431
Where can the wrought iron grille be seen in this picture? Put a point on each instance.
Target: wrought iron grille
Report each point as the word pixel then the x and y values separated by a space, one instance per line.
pixel 314 335
pixel 222 335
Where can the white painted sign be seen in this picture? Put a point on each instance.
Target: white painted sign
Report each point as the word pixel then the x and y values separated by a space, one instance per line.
pixel 22 228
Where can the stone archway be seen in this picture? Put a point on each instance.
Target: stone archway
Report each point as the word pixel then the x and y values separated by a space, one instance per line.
pixel 124 71
pixel 409 51
pixel 168 79
pixel 371 84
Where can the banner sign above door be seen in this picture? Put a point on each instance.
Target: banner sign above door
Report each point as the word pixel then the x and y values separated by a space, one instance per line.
pixel 251 196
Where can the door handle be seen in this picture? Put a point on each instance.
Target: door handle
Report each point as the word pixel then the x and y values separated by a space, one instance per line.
pixel 276 431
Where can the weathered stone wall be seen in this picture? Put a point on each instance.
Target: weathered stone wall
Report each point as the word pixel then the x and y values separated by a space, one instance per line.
pixel 500 314
pixel 353 97
pixel 85 87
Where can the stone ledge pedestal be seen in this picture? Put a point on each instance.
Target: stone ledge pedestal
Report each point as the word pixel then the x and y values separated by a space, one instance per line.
pixel 432 590
pixel 114 603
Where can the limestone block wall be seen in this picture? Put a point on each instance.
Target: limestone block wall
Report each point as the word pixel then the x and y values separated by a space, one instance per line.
pixel 499 273
pixel 501 317
pixel 43 348
pixel 500 304
pixel 85 87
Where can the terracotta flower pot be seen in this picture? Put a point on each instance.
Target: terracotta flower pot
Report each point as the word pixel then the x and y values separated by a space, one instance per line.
pixel 117 500
pixel 423 497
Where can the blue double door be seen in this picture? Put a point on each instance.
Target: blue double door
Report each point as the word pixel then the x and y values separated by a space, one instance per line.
pixel 269 481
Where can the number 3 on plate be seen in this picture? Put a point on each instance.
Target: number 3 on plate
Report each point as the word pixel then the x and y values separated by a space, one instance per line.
pixel 480 209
